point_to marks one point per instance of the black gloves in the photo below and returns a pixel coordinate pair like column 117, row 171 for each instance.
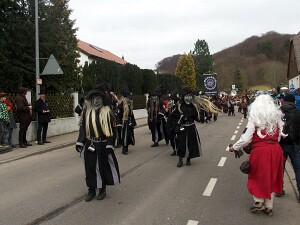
column 79, row 148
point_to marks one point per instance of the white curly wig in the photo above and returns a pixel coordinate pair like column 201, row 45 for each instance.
column 266, row 116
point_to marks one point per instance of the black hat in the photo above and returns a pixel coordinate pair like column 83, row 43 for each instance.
column 157, row 91
column 173, row 95
column 126, row 92
column 289, row 98
column 42, row 91
column 186, row 90
column 100, row 87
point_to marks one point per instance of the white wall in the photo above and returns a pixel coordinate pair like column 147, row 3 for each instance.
column 295, row 81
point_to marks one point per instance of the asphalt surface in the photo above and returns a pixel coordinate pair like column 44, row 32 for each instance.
column 45, row 185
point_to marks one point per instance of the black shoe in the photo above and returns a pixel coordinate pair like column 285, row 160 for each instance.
column 40, row 143
column 118, row 146
column 47, row 141
column 91, row 194
column 188, row 162
column 27, row 144
column 124, row 152
column 155, row 144
column 167, row 142
column 180, row 163
column 22, row 145
column 173, row 153
column 102, row 194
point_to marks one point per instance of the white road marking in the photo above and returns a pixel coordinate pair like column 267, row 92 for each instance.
column 227, row 148
column 240, row 124
column 192, row 222
column 235, row 132
column 233, row 137
column 222, row 161
column 238, row 127
column 210, row 186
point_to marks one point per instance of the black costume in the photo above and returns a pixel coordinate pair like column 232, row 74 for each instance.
column 126, row 119
column 96, row 143
column 172, row 118
column 188, row 143
column 156, row 117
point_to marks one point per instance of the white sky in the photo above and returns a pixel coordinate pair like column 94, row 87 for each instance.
column 146, row 31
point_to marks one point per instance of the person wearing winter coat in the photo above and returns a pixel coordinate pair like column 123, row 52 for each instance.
column 10, row 126
column 4, row 117
column 43, row 110
column 24, row 115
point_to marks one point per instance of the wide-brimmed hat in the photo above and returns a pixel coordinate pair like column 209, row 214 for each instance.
column 157, row 91
column 100, row 87
column 2, row 94
column 173, row 95
column 126, row 92
column 186, row 90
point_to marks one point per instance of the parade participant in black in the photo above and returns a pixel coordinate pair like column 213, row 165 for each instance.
column 188, row 141
column 96, row 142
column 44, row 117
column 126, row 116
column 157, row 117
column 172, row 119
column 114, row 102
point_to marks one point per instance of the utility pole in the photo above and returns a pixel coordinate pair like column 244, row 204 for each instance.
column 37, row 54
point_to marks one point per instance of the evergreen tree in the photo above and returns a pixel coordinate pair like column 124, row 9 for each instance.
column 238, row 80
column 203, row 61
column 185, row 69
column 149, row 81
column 56, row 36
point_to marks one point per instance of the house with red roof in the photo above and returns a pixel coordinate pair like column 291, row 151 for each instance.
column 89, row 53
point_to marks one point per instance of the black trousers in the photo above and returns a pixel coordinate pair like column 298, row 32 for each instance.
column 42, row 132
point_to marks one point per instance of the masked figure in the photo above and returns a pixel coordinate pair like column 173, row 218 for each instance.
column 172, row 118
column 96, row 142
column 126, row 117
column 156, row 114
column 188, row 143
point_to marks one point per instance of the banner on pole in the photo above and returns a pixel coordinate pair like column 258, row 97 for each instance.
column 210, row 84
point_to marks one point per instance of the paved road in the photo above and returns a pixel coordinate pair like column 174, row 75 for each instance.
column 49, row 188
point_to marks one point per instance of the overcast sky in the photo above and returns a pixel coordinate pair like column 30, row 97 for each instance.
column 146, row 31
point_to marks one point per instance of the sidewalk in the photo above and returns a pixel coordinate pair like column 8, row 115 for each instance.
column 57, row 142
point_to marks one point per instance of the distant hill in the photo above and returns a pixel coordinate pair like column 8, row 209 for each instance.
column 260, row 59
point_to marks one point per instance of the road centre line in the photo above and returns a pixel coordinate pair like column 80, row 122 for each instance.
column 235, row 132
column 210, row 186
column 222, row 161
column 238, row 127
column 192, row 222
column 240, row 124
column 227, row 148
column 233, row 137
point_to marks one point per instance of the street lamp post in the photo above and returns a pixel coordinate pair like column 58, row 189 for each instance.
column 37, row 55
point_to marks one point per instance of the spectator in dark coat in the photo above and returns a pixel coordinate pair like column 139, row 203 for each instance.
column 44, row 117
column 24, row 114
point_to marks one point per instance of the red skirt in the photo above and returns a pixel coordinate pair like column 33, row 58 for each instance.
column 267, row 167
